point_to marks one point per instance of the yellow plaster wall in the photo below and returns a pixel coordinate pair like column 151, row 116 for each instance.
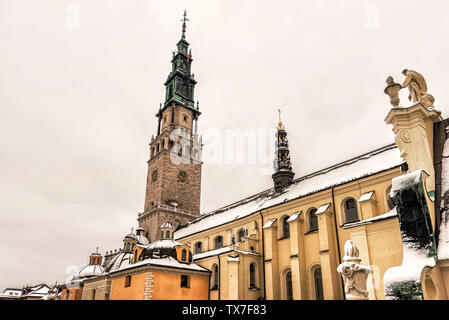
column 134, row 292
column 167, row 286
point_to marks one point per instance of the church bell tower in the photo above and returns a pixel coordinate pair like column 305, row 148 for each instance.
column 173, row 186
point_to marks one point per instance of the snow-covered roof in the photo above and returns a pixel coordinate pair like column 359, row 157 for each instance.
column 121, row 260
column 131, row 236
column 211, row 253
column 165, row 262
column 165, row 243
column 167, row 225
column 91, row 270
column 376, row 161
column 37, row 291
column 141, row 239
column 10, row 293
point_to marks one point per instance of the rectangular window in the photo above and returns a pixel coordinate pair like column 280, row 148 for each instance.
column 127, row 281
column 185, row 281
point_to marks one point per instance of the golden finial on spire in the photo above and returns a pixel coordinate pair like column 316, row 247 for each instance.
column 280, row 126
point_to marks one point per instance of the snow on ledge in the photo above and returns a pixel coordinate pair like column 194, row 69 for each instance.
column 389, row 214
column 406, row 180
column 366, row 196
column 269, row 223
column 294, row 216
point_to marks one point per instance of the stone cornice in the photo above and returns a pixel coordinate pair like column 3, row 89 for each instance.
column 416, row 110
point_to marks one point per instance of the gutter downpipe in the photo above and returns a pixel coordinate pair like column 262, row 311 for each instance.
column 263, row 256
column 338, row 242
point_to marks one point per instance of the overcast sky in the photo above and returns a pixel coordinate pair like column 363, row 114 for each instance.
column 81, row 81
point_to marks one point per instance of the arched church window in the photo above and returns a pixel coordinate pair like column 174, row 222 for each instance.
column 252, row 275
column 215, row 277
column 351, row 214
column 218, row 242
column 198, row 247
column 285, row 227
column 318, row 281
column 390, row 201
column 288, row 285
column 313, row 220
column 167, row 234
column 184, row 255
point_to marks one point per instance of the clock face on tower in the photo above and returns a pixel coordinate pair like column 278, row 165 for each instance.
column 182, row 176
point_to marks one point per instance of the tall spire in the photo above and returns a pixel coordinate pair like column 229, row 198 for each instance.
column 180, row 84
column 283, row 174
column 184, row 24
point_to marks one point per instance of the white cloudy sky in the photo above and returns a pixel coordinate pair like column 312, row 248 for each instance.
column 77, row 105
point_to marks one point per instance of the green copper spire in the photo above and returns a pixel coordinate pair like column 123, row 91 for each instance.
column 180, row 84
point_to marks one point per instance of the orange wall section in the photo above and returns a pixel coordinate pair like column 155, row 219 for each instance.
column 167, row 286
column 134, row 292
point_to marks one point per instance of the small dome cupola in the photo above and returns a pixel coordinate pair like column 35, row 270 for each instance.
column 167, row 230
column 141, row 238
column 283, row 174
column 95, row 258
column 129, row 241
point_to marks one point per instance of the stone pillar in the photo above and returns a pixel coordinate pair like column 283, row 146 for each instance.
column 297, row 256
column 206, row 244
column 271, row 261
column 331, row 286
column 354, row 274
column 413, row 129
column 228, row 240
column 233, row 274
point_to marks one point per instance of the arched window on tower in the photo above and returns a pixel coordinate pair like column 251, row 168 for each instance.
column 313, row 220
column 167, row 234
column 218, row 242
column 351, row 214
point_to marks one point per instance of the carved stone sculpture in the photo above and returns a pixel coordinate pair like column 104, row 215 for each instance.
column 392, row 90
column 354, row 274
column 416, row 84
column 417, row 87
